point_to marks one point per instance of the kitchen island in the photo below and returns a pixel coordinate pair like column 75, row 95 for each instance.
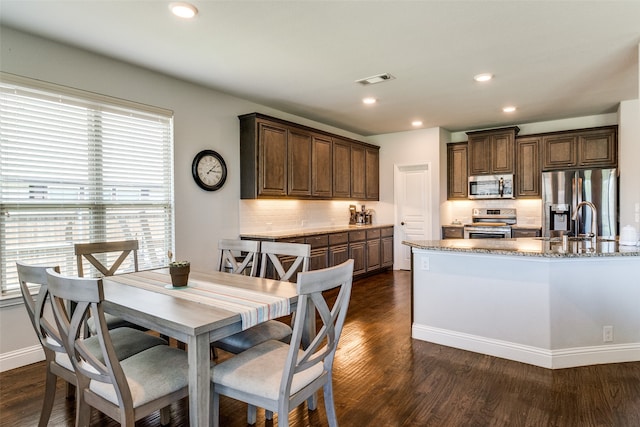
column 533, row 300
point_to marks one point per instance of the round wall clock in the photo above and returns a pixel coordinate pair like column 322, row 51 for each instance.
column 209, row 170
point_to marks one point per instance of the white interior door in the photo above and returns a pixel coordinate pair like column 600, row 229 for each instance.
column 413, row 209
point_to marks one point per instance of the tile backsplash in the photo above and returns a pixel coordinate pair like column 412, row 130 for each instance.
column 529, row 211
column 280, row 215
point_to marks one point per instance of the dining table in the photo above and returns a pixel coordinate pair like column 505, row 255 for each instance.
column 212, row 306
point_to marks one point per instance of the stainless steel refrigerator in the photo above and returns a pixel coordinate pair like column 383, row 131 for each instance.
column 563, row 190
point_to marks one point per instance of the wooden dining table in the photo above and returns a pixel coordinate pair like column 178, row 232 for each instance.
column 196, row 315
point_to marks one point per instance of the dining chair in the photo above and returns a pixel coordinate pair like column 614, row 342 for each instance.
column 279, row 376
column 272, row 254
column 238, row 256
column 127, row 342
column 89, row 251
column 125, row 390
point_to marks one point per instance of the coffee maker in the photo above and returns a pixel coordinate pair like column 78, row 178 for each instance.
column 362, row 217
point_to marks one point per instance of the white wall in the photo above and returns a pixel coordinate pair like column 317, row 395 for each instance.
column 629, row 163
column 203, row 118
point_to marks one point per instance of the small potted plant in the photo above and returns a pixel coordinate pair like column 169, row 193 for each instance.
column 179, row 271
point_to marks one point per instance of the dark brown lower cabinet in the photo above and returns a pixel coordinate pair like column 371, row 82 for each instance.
column 370, row 248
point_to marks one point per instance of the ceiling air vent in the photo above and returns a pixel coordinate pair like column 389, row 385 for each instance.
column 375, row 79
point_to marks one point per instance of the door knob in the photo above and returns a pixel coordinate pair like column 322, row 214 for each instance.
column 402, row 223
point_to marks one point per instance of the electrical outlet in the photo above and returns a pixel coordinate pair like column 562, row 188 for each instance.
column 424, row 263
column 607, row 333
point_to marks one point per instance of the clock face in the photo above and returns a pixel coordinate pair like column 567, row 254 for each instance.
column 209, row 170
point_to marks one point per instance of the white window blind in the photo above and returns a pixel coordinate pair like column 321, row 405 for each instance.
column 77, row 167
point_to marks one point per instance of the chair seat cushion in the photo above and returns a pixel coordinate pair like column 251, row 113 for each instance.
column 241, row 341
column 113, row 322
column 126, row 341
column 258, row 371
column 151, row 374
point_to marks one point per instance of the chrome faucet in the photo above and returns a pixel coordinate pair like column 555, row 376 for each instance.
column 594, row 219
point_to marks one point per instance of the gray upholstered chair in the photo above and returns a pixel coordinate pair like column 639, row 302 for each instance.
column 238, row 256
column 125, row 390
column 127, row 342
column 279, row 376
column 298, row 255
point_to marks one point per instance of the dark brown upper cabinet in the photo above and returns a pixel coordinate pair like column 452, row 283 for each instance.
column 585, row 148
column 457, row 171
column 492, row 151
column 283, row 159
column 528, row 178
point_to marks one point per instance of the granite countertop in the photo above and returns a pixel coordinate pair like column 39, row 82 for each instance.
column 302, row 232
column 533, row 247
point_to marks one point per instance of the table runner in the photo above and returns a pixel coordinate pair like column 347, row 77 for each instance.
column 253, row 307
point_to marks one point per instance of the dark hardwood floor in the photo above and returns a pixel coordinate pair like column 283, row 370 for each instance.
column 384, row 378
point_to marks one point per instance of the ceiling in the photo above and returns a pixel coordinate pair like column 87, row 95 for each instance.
column 551, row 59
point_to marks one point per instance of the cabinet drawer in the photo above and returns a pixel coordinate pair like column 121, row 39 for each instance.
column 319, row 241
column 452, row 232
column 373, row 234
column 356, row 236
column 338, row 238
column 386, row 232
column 293, row 240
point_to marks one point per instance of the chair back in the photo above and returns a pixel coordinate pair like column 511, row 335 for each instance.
column 311, row 301
column 272, row 251
column 87, row 294
column 238, row 255
column 89, row 250
column 47, row 333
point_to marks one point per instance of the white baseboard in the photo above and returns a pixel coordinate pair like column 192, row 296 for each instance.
column 22, row 357
column 552, row 359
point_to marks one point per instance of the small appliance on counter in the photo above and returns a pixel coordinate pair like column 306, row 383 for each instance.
column 362, row 217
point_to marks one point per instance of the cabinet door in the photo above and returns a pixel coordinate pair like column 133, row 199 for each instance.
column 502, row 153
column 299, row 163
column 527, row 176
column 338, row 254
column 598, row 148
column 479, row 152
column 452, row 232
column 319, row 259
column 372, row 174
column 358, row 171
column 321, row 167
column 559, row 151
column 457, row 177
column 272, row 163
column 357, row 253
column 386, row 252
column 341, row 168
column 373, row 255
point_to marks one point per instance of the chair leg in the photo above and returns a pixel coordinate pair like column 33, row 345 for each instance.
column 312, row 402
column 214, row 352
column 49, row 397
column 215, row 409
column 83, row 411
column 71, row 391
column 165, row 416
column 268, row 415
column 329, row 405
column 252, row 414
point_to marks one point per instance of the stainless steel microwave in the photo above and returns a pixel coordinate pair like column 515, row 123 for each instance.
column 491, row 187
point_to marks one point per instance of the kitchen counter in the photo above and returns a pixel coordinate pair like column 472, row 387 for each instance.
column 303, row 232
column 528, row 300
column 529, row 247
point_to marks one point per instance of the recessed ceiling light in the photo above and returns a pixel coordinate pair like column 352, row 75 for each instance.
column 509, row 109
column 484, row 77
column 416, row 123
column 183, row 10
column 369, row 100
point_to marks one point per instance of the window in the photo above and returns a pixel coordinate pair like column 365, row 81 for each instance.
column 76, row 167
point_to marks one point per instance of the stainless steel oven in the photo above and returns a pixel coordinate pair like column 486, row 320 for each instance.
column 490, row 224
